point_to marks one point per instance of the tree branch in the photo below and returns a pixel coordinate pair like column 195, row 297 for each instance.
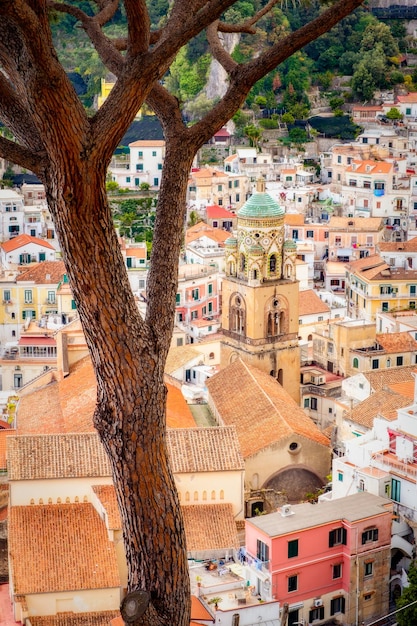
column 138, row 27
column 247, row 26
column 12, row 151
column 217, row 50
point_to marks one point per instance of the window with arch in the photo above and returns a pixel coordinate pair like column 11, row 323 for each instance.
column 204, row 495
column 236, row 619
column 276, row 319
column 242, row 263
column 232, row 268
column 237, row 315
column 221, row 494
column 187, row 496
column 211, row 355
column 272, row 264
column 355, row 363
column 213, row 495
column 195, row 495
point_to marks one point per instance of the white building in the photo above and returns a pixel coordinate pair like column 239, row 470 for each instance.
column 144, row 165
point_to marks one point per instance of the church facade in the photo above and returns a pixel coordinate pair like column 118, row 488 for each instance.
column 260, row 293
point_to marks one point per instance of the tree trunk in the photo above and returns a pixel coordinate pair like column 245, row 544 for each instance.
column 128, row 356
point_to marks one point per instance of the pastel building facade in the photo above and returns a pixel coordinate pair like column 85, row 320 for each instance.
column 326, row 561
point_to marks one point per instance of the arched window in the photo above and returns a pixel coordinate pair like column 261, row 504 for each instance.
column 195, row 495
column 187, row 496
column 272, row 264
column 242, row 262
column 355, row 363
column 213, row 495
column 236, row 619
column 211, row 355
column 221, row 494
column 204, row 495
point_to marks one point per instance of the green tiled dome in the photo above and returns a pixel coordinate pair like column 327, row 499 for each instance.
column 290, row 243
column 231, row 241
column 260, row 204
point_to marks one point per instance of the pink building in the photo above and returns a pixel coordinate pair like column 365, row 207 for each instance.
column 327, row 561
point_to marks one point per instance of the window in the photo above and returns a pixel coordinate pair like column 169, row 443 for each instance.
column 369, row 568
column 159, row 166
column 295, row 234
column 194, row 315
column 340, row 477
column 235, row 183
column 292, row 583
column 339, row 158
column 337, row 605
column 396, row 490
column 306, row 403
column 51, row 297
column 375, row 364
column 178, row 298
column 337, row 571
column 400, row 360
column 292, row 548
column 73, row 305
column 408, row 111
column 210, row 288
column 7, row 295
column 412, row 290
column 28, row 296
column 313, row 404
column 361, row 485
column 140, row 154
column 154, row 153
column 17, row 381
column 210, row 307
column 262, row 551
column 195, row 294
column 155, row 182
column 380, row 186
column 337, row 536
column 219, row 187
column 385, row 306
column 370, row 535
column 310, row 234
column 316, row 614
column 139, row 167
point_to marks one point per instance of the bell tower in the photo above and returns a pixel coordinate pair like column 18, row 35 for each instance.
column 260, row 293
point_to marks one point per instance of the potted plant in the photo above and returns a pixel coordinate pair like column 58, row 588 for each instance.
column 215, row 601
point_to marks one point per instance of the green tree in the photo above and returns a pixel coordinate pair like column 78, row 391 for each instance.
column 408, row 615
column 394, row 114
column 41, row 108
column 379, row 34
column 254, row 134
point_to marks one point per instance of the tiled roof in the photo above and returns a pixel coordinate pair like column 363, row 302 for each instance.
column 107, row 496
column 262, row 411
column 405, row 388
column 209, row 527
column 409, row 97
column 294, row 219
column 179, row 356
column 204, row 230
column 70, row 404
column 38, row 457
column 147, row 143
column 24, row 240
column 214, row 210
column 384, row 403
column 102, row 618
column 68, row 546
column 367, row 166
column 204, row 449
column 358, row 223
column 199, row 611
column 46, row 272
column 310, row 303
column 398, row 246
column 379, row 379
column 3, row 434
column 397, row 342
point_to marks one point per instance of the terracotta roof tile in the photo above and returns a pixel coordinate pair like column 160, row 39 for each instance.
column 24, row 240
column 69, row 545
column 384, row 403
column 3, row 444
column 204, row 449
column 209, row 527
column 147, row 143
column 380, row 379
column 204, row 230
column 107, row 496
column 294, row 219
column 367, row 166
column 214, row 210
column 40, row 457
column 359, row 223
column 46, row 272
column 199, row 611
column 70, row 404
column 102, row 618
column 310, row 303
column 262, row 411
column 397, row 342
column 398, row 246
column 179, row 356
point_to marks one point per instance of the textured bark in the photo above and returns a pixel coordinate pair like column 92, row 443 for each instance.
column 71, row 153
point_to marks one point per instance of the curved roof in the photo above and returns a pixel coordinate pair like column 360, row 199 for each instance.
column 260, row 205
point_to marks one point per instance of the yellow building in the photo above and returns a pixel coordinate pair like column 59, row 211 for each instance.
column 373, row 286
column 260, row 293
column 107, row 85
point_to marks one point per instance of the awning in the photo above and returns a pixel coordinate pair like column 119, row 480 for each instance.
column 37, row 341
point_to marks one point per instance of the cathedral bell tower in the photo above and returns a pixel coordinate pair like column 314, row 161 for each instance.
column 260, row 293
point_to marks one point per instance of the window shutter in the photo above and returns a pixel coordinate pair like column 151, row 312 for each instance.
column 332, row 607
column 344, row 536
column 321, row 612
column 331, row 539
column 363, row 538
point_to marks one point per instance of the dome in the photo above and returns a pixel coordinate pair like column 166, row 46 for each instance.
column 290, row 243
column 261, row 205
column 256, row 249
column 231, row 242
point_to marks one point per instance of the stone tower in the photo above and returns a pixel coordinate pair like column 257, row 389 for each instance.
column 260, row 293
